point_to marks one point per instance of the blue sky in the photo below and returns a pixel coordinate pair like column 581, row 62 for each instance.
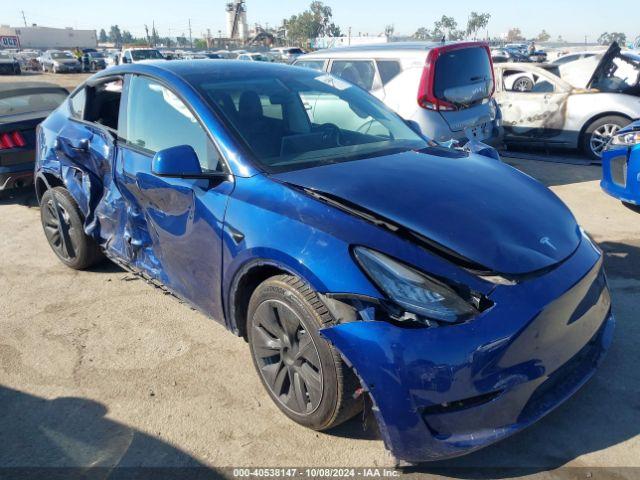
column 572, row 19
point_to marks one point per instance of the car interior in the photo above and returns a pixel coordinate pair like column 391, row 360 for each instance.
column 280, row 125
column 103, row 103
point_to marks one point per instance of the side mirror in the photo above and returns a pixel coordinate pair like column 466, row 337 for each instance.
column 180, row 162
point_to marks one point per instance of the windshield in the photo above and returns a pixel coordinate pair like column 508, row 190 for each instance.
column 96, row 55
column 146, row 55
column 61, row 55
column 291, row 120
column 4, row 56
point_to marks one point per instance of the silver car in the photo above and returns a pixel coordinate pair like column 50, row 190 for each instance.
column 446, row 88
column 581, row 104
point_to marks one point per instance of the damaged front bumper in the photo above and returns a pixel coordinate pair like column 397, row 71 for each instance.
column 446, row 391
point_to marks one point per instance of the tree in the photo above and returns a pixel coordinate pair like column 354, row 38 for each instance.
column 476, row 23
column 515, row 35
column 115, row 36
column 543, row 36
column 199, row 43
column 102, row 37
column 423, row 34
column 127, row 37
column 608, row 38
column 155, row 38
column 447, row 28
column 312, row 23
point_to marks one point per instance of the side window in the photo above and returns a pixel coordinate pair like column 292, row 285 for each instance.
column 157, row 119
column 312, row 64
column 389, row 69
column 103, row 104
column 359, row 72
column 522, row 81
column 78, row 103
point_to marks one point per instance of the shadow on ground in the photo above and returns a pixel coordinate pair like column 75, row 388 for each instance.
column 72, row 438
column 23, row 196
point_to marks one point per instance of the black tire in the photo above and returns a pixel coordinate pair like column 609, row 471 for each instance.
column 319, row 396
column 522, row 84
column 84, row 252
column 599, row 124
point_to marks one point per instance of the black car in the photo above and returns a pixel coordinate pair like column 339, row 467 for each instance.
column 9, row 64
column 23, row 105
column 94, row 61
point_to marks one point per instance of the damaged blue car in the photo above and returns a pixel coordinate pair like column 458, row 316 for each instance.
column 355, row 256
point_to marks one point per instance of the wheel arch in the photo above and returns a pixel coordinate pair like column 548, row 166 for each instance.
column 246, row 279
column 598, row 117
column 42, row 180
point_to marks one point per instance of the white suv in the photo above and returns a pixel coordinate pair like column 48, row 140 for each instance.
column 447, row 88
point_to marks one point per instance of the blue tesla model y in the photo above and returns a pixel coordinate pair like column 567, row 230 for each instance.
column 353, row 254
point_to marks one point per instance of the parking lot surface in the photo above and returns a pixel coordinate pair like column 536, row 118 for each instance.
column 98, row 368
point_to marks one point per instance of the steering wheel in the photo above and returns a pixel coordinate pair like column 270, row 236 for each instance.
column 330, row 132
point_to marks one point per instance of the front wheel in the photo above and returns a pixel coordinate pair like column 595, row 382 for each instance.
column 597, row 135
column 63, row 228
column 303, row 374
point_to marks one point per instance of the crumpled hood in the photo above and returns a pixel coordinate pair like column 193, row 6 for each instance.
column 481, row 209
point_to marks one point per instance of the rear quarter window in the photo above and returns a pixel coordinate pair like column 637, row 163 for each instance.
column 388, row 69
column 460, row 68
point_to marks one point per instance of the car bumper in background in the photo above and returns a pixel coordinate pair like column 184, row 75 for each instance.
column 621, row 174
column 16, row 168
column 447, row 391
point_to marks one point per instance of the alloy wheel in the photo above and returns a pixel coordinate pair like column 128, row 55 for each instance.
column 601, row 136
column 522, row 84
column 54, row 231
column 287, row 357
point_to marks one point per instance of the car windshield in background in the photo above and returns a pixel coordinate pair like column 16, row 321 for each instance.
column 31, row 103
column 292, row 121
column 97, row 55
column 295, row 51
column 463, row 76
column 4, row 56
column 60, row 55
column 146, row 55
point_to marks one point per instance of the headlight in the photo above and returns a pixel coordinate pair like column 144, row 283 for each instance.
column 628, row 139
column 412, row 290
column 57, row 64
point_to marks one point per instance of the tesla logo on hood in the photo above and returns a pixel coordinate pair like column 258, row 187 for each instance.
column 547, row 241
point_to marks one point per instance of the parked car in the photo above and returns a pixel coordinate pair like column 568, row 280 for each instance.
column 557, row 113
column 9, row 64
column 466, row 314
column 23, row 106
column 447, row 89
column 252, row 57
column 56, row 61
column 287, row 54
column 621, row 166
column 572, row 57
column 95, row 60
column 137, row 55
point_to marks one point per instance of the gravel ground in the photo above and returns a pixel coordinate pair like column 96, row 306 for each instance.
column 100, row 369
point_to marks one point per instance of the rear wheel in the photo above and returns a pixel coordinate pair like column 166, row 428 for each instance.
column 302, row 373
column 632, row 206
column 65, row 234
column 597, row 135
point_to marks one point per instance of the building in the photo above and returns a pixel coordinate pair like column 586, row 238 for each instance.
column 50, row 38
column 237, row 15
